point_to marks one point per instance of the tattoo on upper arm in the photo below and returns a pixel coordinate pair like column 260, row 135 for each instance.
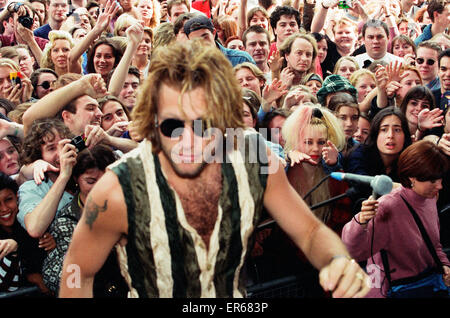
column 91, row 211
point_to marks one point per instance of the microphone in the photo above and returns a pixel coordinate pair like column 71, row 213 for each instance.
column 380, row 184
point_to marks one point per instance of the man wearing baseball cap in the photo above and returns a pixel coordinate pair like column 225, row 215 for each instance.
column 202, row 27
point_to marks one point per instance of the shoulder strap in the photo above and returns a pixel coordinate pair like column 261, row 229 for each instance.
column 387, row 270
column 425, row 236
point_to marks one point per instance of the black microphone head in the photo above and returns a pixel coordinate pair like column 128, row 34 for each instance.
column 381, row 184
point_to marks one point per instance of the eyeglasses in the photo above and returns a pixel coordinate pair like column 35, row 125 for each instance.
column 421, row 60
column 173, row 128
column 46, row 84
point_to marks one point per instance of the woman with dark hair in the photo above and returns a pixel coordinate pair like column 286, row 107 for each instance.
column 115, row 117
column 20, row 256
column 42, row 80
column 90, row 166
column 103, row 57
column 417, row 99
column 399, row 252
column 389, row 136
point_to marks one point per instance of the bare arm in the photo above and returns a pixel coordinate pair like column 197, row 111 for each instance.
column 242, row 17
column 322, row 247
column 134, row 35
column 43, row 214
column 52, row 103
column 319, row 18
column 103, row 21
column 104, row 221
column 364, row 106
column 26, row 36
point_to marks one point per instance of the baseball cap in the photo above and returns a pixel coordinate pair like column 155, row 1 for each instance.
column 197, row 23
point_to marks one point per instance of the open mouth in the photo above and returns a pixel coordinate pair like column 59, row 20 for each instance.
column 6, row 216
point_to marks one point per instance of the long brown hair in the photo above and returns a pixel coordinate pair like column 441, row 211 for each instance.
column 186, row 66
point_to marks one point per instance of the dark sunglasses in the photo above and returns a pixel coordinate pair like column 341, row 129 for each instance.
column 46, row 84
column 171, row 127
column 420, row 60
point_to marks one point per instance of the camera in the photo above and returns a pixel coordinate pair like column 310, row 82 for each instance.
column 345, row 4
column 15, row 78
column 25, row 20
column 78, row 142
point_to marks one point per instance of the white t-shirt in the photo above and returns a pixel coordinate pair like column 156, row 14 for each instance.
column 388, row 57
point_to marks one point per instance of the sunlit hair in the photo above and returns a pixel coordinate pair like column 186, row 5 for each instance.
column 123, row 22
column 187, row 66
column 358, row 74
column 253, row 11
column 4, row 62
column 253, row 68
column 422, row 160
column 294, row 127
column 403, row 69
column 345, row 22
column 163, row 35
column 403, row 39
column 46, row 60
column 156, row 16
column 341, row 60
column 286, row 47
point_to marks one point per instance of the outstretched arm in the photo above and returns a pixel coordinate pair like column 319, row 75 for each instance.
column 48, row 106
column 134, row 36
column 103, row 221
column 322, row 247
column 103, row 20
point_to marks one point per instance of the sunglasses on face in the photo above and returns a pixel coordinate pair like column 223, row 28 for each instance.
column 173, row 128
column 46, row 84
column 421, row 60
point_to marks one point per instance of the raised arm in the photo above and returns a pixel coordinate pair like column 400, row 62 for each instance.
column 106, row 14
column 104, row 221
column 49, row 106
column 134, row 36
column 320, row 14
column 242, row 17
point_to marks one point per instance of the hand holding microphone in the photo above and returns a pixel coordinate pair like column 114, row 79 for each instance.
column 368, row 210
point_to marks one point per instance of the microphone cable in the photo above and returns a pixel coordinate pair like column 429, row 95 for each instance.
column 316, row 186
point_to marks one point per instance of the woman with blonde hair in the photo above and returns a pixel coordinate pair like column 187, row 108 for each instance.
column 346, row 66
column 364, row 81
column 56, row 54
column 123, row 23
column 313, row 138
column 149, row 11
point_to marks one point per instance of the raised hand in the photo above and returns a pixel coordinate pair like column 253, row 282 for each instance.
column 393, row 70
column 275, row 61
column 381, row 77
column 275, row 90
column 428, row 119
column 299, row 157
column 107, row 12
column 94, row 85
column 7, row 246
column 67, row 157
column 94, row 135
column 135, row 33
column 287, row 76
column 40, row 167
column 117, row 129
column 330, row 154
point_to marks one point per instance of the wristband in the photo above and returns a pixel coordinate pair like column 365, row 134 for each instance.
column 16, row 131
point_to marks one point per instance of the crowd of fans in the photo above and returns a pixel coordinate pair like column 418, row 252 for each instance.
column 332, row 85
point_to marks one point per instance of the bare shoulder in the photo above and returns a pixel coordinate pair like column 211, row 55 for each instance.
column 105, row 205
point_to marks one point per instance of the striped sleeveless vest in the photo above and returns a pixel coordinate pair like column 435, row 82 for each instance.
column 165, row 256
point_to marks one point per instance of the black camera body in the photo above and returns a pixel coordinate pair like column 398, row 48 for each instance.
column 79, row 143
column 26, row 21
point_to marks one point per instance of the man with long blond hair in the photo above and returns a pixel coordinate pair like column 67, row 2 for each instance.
column 184, row 223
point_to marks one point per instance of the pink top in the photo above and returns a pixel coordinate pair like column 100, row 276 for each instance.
column 398, row 234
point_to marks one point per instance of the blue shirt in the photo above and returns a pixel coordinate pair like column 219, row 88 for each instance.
column 236, row 56
column 434, row 84
column 426, row 35
column 43, row 31
column 31, row 194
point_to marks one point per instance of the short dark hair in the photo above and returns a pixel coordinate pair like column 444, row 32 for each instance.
column 181, row 19
column 418, row 92
column 374, row 23
column 100, row 156
column 405, row 39
column 283, row 10
column 422, row 160
column 445, row 53
column 342, row 99
column 435, row 6
column 34, row 78
column 6, row 182
column 257, row 29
